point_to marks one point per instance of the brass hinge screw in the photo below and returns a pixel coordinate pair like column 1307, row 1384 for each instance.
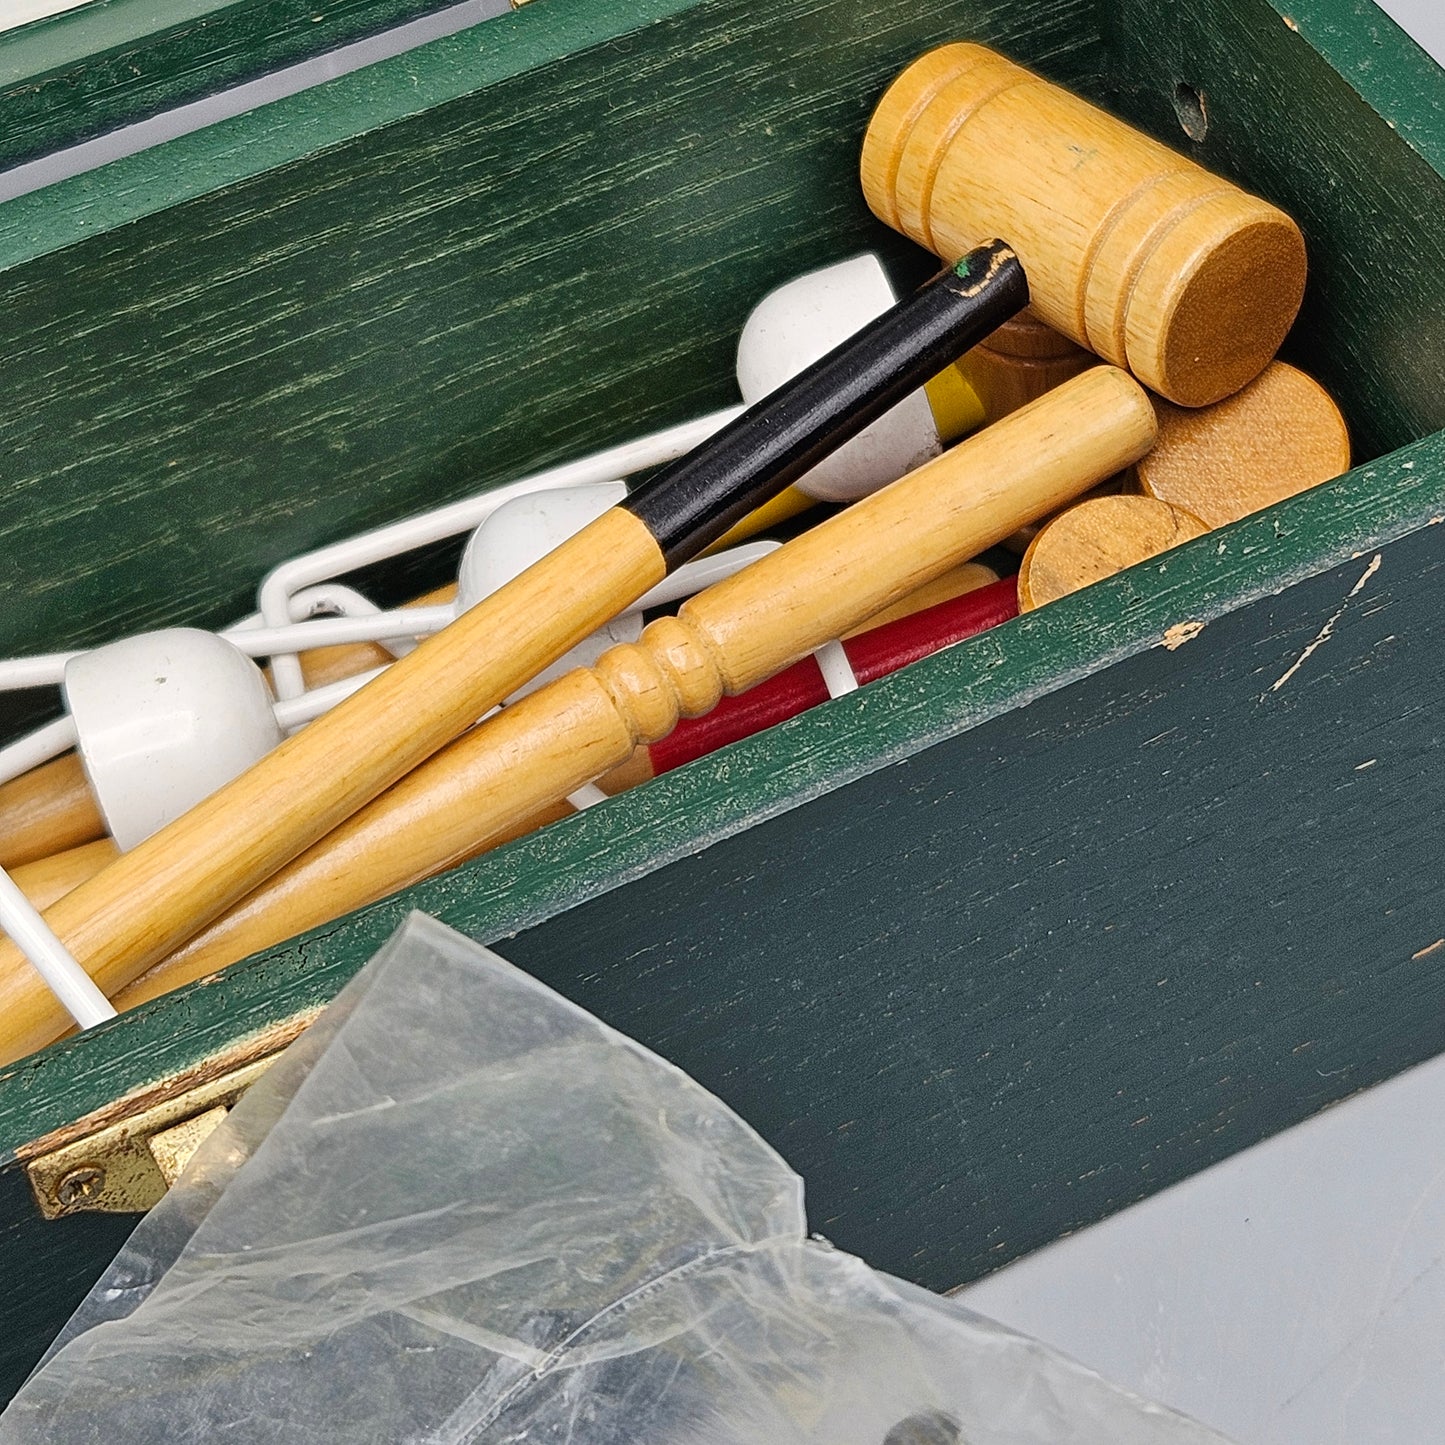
column 82, row 1183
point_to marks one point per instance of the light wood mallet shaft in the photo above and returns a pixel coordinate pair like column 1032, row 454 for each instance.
column 43, row 880
column 724, row 640
column 47, row 810
column 929, row 627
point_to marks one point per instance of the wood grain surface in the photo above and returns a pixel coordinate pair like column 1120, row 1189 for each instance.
column 1054, row 1016
column 46, row 879
column 536, row 751
column 47, row 810
column 1023, row 359
column 51, row 809
column 1096, row 538
column 1131, row 249
column 352, row 289
column 165, row 889
column 1302, row 109
column 1280, row 435
column 966, row 577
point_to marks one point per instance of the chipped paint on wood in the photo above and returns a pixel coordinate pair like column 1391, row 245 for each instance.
column 1178, row 633
column 1327, row 631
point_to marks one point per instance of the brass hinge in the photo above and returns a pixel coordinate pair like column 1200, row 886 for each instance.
column 122, row 1159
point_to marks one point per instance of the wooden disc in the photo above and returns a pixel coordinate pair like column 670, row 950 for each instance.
column 1096, row 539
column 1019, row 362
column 1026, row 335
column 1282, row 434
column 1018, row 542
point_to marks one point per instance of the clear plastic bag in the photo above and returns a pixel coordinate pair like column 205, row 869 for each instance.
column 460, row 1210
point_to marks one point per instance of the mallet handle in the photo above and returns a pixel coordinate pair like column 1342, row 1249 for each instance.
column 724, row 640
column 166, row 889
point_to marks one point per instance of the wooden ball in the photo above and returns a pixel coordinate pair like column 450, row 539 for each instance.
column 1096, row 539
column 1282, row 434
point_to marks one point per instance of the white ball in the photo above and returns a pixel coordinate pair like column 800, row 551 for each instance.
column 163, row 720
column 803, row 320
column 523, row 531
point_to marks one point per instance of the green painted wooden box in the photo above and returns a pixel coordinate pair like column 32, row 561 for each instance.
column 111, row 63
column 988, row 950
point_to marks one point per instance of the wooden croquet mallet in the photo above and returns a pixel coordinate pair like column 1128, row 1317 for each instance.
column 871, row 654
column 723, row 641
column 949, row 615
column 1132, row 250
column 160, row 893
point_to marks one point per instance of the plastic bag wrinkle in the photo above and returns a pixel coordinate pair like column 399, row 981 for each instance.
column 461, row 1211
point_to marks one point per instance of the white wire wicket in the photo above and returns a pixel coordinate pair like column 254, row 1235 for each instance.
column 65, row 978
column 304, row 586
column 625, row 460
column 48, row 669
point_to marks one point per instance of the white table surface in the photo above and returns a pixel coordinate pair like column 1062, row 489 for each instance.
column 1424, row 19
column 1292, row 1295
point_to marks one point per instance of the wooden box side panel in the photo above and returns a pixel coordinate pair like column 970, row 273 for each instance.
column 1074, row 996
column 550, row 261
column 915, row 992
column 92, row 70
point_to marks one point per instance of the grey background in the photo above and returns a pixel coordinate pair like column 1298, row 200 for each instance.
column 1424, row 19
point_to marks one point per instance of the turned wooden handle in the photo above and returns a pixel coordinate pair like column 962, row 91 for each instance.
column 754, row 624
column 298, row 895
column 43, row 880
column 166, row 889
column 1131, row 250
column 871, row 654
column 967, row 599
